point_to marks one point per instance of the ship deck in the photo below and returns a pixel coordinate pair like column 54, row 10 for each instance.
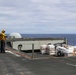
column 18, row 63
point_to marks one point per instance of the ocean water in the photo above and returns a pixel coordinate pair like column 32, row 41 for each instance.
column 70, row 37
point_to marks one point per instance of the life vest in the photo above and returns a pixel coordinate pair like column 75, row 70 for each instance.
column 2, row 36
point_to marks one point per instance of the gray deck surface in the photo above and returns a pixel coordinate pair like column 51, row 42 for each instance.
column 11, row 64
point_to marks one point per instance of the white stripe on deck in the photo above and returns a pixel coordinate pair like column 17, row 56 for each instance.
column 71, row 64
column 13, row 53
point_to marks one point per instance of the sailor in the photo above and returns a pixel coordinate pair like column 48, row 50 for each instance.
column 2, row 38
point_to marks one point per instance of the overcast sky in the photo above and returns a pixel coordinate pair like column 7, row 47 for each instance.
column 38, row 16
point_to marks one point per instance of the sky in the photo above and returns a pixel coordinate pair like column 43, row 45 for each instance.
column 38, row 16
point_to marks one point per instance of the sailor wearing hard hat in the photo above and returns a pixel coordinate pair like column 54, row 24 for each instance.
column 2, row 38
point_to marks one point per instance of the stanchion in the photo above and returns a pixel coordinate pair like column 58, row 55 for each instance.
column 32, row 50
column 66, row 41
column 0, row 45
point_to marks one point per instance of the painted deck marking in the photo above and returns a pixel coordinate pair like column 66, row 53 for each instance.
column 13, row 53
column 71, row 64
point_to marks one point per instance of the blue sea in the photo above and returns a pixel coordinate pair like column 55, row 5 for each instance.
column 70, row 37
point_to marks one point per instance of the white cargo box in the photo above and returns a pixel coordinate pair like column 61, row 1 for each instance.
column 43, row 49
column 50, row 49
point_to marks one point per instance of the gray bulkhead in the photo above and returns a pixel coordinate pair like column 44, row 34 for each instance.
column 26, row 44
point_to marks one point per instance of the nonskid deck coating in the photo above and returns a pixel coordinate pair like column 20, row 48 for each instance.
column 14, row 65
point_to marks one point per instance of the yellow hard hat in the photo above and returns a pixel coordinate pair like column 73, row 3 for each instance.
column 3, row 31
